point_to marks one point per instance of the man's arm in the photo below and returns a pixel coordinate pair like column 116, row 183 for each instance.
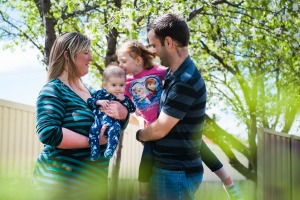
column 158, row 129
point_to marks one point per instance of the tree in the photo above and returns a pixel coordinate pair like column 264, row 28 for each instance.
column 247, row 52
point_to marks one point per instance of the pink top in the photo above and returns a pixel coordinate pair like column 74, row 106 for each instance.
column 145, row 90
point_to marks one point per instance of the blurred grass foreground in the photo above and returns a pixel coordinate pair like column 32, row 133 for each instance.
column 19, row 148
column 22, row 188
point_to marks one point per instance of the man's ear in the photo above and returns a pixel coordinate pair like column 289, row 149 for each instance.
column 168, row 42
column 103, row 84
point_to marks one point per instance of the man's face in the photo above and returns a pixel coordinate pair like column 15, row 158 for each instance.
column 158, row 49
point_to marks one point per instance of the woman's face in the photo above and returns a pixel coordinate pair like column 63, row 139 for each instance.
column 128, row 63
column 82, row 61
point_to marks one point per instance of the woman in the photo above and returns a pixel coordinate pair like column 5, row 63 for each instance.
column 63, row 124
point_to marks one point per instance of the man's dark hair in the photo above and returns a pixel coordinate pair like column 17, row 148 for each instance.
column 173, row 26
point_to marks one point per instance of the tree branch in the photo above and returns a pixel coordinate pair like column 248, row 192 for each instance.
column 194, row 13
column 226, row 2
column 216, row 56
column 227, row 142
column 20, row 32
column 86, row 9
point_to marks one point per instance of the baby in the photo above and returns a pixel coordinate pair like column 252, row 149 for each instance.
column 114, row 82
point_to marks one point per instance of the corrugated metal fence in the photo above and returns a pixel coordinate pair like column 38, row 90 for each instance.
column 278, row 165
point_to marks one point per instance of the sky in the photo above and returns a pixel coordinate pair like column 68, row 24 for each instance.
column 22, row 75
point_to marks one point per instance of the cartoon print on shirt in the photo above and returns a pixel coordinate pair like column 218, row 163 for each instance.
column 151, row 87
column 139, row 94
column 146, row 91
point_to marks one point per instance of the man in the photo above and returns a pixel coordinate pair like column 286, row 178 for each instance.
column 177, row 132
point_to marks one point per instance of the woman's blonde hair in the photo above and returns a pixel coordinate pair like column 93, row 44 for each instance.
column 135, row 48
column 72, row 43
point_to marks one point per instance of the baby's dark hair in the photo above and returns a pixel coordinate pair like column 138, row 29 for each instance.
column 113, row 70
column 135, row 48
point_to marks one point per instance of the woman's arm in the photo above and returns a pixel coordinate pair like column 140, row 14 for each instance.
column 49, row 117
column 72, row 139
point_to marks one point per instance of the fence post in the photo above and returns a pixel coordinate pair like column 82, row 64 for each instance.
column 260, row 157
column 113, row 194
column 295, row 169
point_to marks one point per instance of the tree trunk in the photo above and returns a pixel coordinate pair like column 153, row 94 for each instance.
column 49, row 26
column 111, row 46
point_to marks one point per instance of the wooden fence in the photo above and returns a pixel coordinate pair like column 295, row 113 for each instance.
column 278, row 166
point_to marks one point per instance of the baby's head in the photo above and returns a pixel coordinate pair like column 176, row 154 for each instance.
column 132, row 53
column 114, row 79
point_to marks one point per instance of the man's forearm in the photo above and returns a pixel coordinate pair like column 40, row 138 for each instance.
column 158, row 129
column 147, row 134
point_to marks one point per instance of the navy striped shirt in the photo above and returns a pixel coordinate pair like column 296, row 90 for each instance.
column 184, row 98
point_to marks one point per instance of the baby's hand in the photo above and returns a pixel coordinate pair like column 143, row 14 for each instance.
column 120, row 96
column 103, row 103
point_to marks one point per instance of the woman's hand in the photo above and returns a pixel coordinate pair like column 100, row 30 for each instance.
column 102, row 138
column 115, row 110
